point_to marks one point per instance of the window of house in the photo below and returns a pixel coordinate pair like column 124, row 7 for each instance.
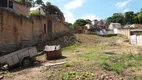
column 44, row 28
column 10, row 4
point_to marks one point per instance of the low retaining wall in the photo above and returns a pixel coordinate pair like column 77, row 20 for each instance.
column 125, row 32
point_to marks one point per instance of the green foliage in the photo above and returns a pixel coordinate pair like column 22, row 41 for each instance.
column 35, row 13
column 39, row 2
column 109, row 20
column 129, row 17
column 122, row 62
column 67, row 65
column 80, row 22
column 75, row 75
column 116, row 63
column 69, row 25
column 117, row 67
column 70, row 48
column 118, row 18
column 140, row 16
column 96, row 56
column 88, row 21
column 51, row 9
column 135, row 18
column 19, row 1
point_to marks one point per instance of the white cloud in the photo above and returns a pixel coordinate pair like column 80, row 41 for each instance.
column 122, row 4
column 74, row 4
column 90, row 16
column 126, row 10
column 69, row 17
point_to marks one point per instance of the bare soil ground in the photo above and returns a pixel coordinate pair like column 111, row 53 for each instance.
column 75, row 61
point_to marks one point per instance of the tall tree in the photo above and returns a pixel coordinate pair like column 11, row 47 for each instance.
column 39, row 2
column 140, row 16
column 135, row 18
column 51, row 9
column 80, row 22
column 129, row 17
column 89, row 21
column 118, row 18
column 109, row 20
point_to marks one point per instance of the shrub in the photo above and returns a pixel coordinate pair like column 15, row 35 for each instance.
column 106, row 66
column 34, row 13
column 75, row 75
column 67, row 65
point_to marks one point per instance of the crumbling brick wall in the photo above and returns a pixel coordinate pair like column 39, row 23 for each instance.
column 18, row 31
column 58, row 24
column 10, row 29
column 21, row 8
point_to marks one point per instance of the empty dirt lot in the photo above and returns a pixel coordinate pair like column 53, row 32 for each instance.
column 91, row 57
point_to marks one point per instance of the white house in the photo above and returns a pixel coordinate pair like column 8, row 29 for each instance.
column 89, row 26
column 114, row 27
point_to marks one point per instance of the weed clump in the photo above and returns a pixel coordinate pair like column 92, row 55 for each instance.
column 122, row 62
column 75, row 75
column 67, row 65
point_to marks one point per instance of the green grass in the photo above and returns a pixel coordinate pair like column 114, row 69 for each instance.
column 96, row 56
column 76, row 75
column 70, row 48
column 94, row 51
column 117, row 63
column 67, row 65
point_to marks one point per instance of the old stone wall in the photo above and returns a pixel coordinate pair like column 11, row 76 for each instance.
column 10, row 29
column 18, row 31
